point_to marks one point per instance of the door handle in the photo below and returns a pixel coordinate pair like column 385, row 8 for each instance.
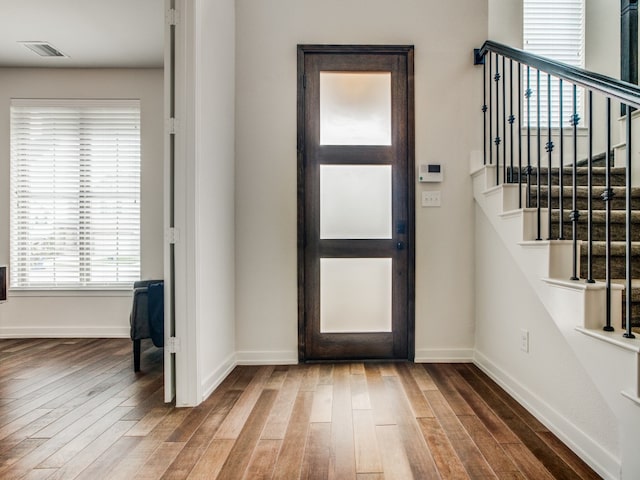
column 400, row 246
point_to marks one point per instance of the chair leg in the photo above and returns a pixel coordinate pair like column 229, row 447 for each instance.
column 136, row 355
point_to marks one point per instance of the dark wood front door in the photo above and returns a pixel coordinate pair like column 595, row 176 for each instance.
column 355, row 202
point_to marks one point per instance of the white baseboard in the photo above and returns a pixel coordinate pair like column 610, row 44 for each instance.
column 587, row 448
column 246, row 358
column 216, row 378
column 444, row 355
column 267, row 357
column 64, row 332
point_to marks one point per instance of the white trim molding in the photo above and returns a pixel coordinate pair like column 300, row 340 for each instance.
column 214, row 380
column 64, row 332
column 444, row 355
column 286, row 357
column 588, row 448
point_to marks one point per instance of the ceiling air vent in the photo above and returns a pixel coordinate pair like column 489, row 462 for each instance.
column 44, row 49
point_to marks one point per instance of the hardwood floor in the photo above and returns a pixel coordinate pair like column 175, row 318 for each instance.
column 75, row 409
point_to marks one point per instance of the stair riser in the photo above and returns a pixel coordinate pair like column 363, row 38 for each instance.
column 618, row 268
column 599, row 179
column 635, row 307
column 618, row 231
column 635, row 317
column 597, row 203
column 618, row 227
column 596, row 161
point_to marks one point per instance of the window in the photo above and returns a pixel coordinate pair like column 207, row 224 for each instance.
column 75, row 194
column 553, row 29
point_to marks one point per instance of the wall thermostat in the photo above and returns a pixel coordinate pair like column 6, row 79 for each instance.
column 430, row 173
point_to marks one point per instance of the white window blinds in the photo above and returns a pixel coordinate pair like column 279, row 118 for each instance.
column 75, row 194
column 553, row 29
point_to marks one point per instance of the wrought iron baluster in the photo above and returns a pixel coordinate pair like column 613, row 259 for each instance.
column 590, row 190
column 519, row 135
column 484, row 111
column 512, row 119
column 561, row 165
column 539, row 154
column 607, row 196
column 629, row 313
column 490, row 109
column 504, row 119
column 549, row 149
column 575, row 214
column 497, row 139
column 528, row 95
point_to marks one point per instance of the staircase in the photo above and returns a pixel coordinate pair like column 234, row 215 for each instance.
column 576, row 307
column 618, row 224
column 540, row 260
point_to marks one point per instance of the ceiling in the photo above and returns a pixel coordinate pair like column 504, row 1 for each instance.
column 93, row 33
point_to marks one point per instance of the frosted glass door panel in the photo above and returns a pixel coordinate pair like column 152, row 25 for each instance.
column 355, row 201
column 355, row 295
column 355, row 108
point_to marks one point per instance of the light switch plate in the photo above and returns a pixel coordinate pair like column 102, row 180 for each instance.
column 431, row 198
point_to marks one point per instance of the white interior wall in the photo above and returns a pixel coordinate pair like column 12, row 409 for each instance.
column 602, row 55
column 505, row 22
column 602, row 37
column 86, row 314
column 446, row 83
column 549, row 380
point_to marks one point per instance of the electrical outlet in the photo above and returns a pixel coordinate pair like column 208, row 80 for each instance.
column 524, row 340
column 431, row 198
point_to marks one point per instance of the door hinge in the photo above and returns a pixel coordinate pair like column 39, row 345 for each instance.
column 172, row 16
column 173, row 235
column 173, row 345
column 304, row 81
column 172, row 126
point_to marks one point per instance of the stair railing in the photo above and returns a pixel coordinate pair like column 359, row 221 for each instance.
column 496, row 75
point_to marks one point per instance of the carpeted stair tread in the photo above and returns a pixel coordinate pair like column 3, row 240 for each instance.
column 617, row 178
column 618, row 222
column 585, row 170
column 618, row 259
column 583, row 190
column 635, row 300
column 618, row 202
column 635, row 287
column 635, row 304
column 617, row 248
column 618, row 225
column 598, row 216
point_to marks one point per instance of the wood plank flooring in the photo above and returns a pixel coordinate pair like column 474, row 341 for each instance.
column 74, row 409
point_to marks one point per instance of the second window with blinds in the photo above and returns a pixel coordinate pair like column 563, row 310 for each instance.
column 75, row 194
column 553, row 29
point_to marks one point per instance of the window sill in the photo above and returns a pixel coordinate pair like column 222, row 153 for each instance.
column 53, row 292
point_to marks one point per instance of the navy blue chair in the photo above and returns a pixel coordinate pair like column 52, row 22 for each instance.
column 147, row 316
